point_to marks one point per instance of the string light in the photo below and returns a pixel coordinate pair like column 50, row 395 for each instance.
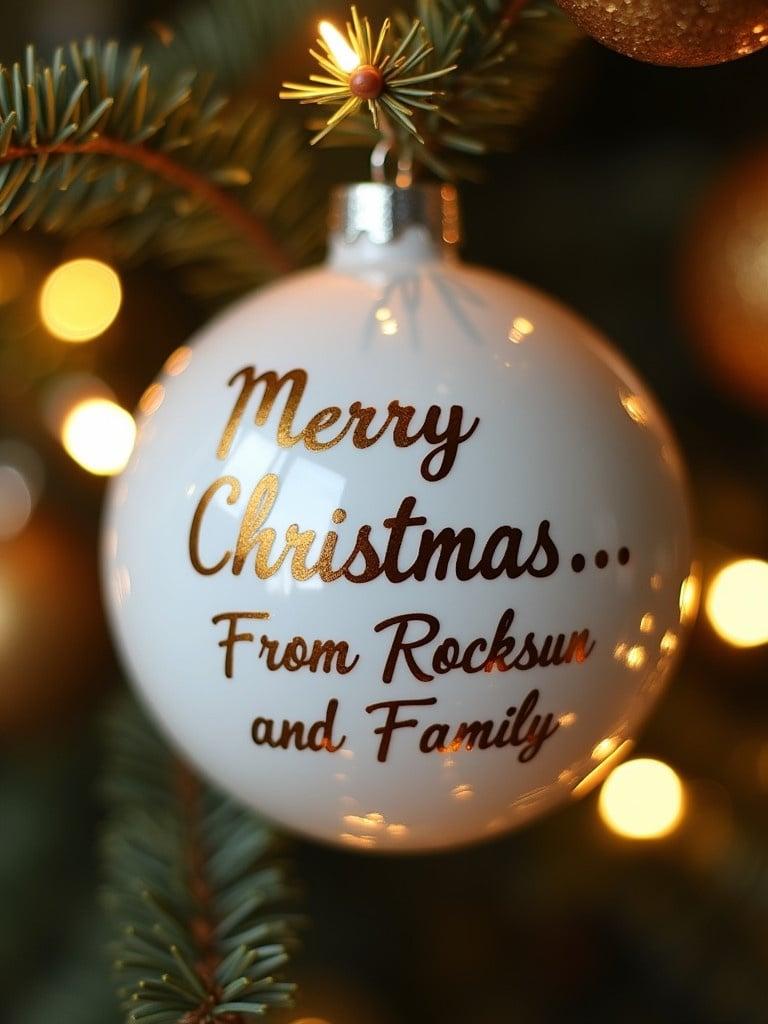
column 342, row 52
column 80, row 299
column 99, row 435
column 737, row 602
column 642, row 799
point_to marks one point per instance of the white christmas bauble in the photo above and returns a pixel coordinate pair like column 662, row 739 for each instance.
column 401, row 558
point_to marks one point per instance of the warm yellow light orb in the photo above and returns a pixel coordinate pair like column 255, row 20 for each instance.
column 99, row 435
column 342, row 52
column 737, row 602
column 642, row 799
column 80, row 299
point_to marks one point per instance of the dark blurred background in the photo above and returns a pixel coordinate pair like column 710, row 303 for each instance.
column 607, row 203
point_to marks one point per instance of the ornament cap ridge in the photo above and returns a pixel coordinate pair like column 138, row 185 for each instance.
column 382, row 212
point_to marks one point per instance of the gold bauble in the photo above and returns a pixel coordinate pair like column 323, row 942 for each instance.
column 52, row 636
column 725, row 281
column 680, row 33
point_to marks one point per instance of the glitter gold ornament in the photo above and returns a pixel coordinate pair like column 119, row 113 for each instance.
column 679, row 33
column 725, row 281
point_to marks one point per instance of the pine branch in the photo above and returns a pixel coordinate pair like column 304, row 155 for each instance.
column 509, row 52
column 504, row 51
column 230, row 39
column 192, row 890
column 196, row 185
column 87, row 142
column 392, row 87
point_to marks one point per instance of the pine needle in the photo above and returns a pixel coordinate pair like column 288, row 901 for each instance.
column 190, row 875
column 493, row 60
column 88, row 133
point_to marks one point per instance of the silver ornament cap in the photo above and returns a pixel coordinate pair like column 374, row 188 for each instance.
column 382, row 212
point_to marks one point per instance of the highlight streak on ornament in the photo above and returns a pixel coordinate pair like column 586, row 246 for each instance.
column 594, row 777
column 690, row 593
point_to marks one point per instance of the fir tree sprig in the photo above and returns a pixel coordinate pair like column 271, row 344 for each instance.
column 494, row 58
column 193, row 890
column 230, row 39
column 509, row 52
column 86, row 141
column 389, row 80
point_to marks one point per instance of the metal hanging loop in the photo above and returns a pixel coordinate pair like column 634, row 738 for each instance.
column 379, row 157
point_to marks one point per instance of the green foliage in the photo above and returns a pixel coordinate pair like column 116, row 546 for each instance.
column 404, row 87
column 504, row 55
column 230, row 39
column 87, row 142
column 192, row 890
column 94, row 141
column 506, row 64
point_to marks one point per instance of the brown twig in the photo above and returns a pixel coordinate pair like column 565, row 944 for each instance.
column 243, row 221
column 203, row 923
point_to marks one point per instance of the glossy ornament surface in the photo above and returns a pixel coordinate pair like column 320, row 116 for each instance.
column 680, row 33
column 725, row 281
column 399, row 558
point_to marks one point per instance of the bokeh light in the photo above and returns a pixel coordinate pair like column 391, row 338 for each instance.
column 642, row 799
column 99, row 435
column 21, row 479
column 737, row 602
column 80, row 299
column 15, row 502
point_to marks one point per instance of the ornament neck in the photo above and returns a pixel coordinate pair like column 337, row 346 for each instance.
column 375, row 224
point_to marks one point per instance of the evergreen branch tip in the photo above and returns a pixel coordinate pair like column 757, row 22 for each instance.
column 391, row 77
column 193, row 891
